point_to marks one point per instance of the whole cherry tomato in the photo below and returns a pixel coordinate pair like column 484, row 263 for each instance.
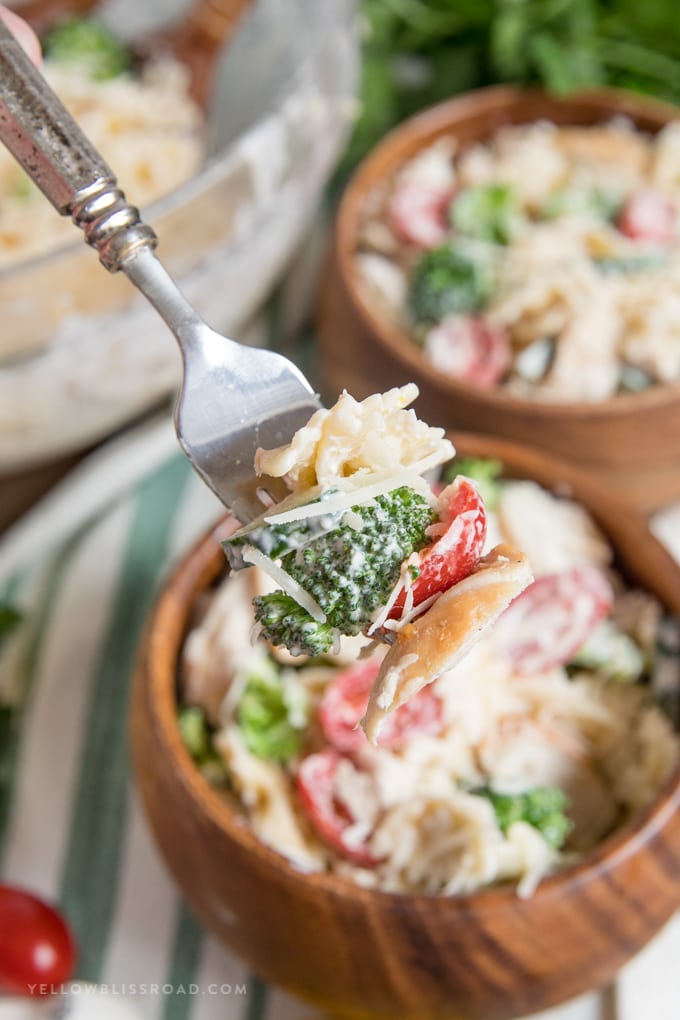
column 37, row 949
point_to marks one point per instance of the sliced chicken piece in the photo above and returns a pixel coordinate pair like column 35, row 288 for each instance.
column 446, row 632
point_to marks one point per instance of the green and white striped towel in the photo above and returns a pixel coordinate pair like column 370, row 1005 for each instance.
column 71, row 827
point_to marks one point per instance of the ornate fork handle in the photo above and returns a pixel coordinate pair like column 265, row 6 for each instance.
column 43, row 137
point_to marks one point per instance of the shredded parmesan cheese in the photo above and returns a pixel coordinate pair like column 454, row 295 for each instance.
column 355, row 496
column 285, row 581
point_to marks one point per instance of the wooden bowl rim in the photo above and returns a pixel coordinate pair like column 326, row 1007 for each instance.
column 404, row 141
column 205, row 563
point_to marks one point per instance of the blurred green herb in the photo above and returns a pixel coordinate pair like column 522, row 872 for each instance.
column 86, row 43
column 417, row 52
column 486, row 472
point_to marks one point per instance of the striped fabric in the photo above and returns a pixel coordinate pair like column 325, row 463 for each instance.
column 70, row 823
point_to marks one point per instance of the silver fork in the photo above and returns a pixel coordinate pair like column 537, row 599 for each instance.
column 232, row 398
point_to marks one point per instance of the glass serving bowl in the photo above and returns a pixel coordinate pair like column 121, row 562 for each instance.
column 81, row 353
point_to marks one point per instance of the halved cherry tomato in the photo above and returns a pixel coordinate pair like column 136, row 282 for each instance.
column 456, row 554
column 418, row 213
column 316, row 784
column 552, row 618
column 467, row 347
column 345, row 701
column 37, row 949
column 648, row 216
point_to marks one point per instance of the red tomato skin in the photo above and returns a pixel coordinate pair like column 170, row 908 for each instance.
column 315, row 779
column 456, row 554
column 550, row 620
column 345, row 701
column 648, row 216
column 418, row 213
column 469, row 348
column 37, row 949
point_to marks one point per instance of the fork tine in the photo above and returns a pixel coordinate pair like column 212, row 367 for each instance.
column 232, row 477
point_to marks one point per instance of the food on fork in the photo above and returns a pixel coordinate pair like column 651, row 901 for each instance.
column 364, row 545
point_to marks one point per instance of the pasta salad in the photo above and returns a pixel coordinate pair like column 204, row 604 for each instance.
column 364, row 544
column 544, row 261
column 551, row 732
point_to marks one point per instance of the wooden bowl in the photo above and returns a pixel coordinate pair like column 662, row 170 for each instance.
column 631, row 441
column 487, row 956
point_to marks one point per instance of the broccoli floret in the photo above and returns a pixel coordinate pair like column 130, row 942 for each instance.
column 272, row 714
column 543, row 808
column 486, row 472
column 89, row 44
column 447, row 282
column 489, row 212
column 284, row 622
column 349, row 571
column 275, row 540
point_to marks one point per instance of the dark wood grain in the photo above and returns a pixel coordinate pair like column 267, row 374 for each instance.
column 631, row 442
column 488, row 956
